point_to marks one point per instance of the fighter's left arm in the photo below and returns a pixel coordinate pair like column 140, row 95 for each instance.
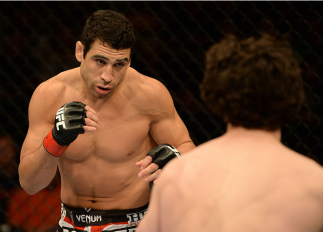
column 169, row 132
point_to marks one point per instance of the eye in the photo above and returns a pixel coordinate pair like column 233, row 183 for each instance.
column 100, row 61
column 119, row 64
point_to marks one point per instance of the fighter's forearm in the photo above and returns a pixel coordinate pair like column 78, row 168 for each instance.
column 37, row 170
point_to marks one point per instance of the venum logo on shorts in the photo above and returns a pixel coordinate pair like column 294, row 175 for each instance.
column 82, row 219
column 60, row 118
column 88, row 218
column 134, row 218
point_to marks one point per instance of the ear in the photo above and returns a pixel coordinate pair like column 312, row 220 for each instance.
column 79, row 51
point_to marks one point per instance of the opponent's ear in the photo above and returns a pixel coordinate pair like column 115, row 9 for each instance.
column 79, row 51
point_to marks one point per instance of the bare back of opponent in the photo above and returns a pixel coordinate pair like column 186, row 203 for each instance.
column 243, row 181
column 246, row 180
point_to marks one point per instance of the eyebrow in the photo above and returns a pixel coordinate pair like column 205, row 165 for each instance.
column 105, row 58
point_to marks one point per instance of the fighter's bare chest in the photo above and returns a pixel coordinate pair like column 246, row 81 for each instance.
column 118, row 137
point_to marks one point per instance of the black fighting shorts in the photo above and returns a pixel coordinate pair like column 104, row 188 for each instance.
column 82, row 219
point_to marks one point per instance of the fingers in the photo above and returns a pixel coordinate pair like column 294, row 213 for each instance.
column 91, row 120
column 153, row 177
column 146, row 162
column 91, row 113
column 138, row 164
column 150, row 173
column 89, row 109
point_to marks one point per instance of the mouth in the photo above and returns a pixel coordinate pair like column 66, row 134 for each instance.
column 102, row 90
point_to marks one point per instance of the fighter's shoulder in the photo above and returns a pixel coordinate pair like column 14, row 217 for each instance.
column 49, row 92
column 149, row 86
column 55, row 85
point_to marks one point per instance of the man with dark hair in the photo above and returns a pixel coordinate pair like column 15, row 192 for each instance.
column 93, row 123
column 245, row 180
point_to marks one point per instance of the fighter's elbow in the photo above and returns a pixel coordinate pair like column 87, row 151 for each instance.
column 28, row 187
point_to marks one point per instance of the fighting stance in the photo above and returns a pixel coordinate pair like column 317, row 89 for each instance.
column 245, row 180
column 97, row 123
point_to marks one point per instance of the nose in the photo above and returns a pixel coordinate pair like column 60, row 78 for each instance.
column 107, row 74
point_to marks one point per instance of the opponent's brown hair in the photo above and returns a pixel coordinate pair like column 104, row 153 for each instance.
column 109, row 27
column 255, row 83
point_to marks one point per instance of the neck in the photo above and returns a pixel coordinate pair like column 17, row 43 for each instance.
column 257, row 133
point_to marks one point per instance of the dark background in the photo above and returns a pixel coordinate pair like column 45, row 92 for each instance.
column 38, row 41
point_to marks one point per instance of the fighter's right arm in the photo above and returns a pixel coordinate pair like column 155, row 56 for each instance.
column 37, row 168
column 46, row 139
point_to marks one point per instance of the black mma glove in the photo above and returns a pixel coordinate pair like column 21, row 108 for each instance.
column 69, row 123
column 162, row 154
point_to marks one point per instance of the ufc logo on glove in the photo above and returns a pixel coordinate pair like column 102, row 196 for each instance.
column 69, row 122
column 60, row 118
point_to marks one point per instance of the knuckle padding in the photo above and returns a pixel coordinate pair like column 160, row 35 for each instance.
column 75, row 104
column 73, row 120
column 162, row 154
column 155, row 152
column 76, row 119
column 75, row 114
column 163, row 158
column 72, row 111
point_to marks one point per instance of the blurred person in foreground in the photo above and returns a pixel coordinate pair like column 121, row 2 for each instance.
column 96, row 124
column 245, row 180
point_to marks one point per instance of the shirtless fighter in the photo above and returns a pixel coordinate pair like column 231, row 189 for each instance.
column 245, row 180
column 94, row 123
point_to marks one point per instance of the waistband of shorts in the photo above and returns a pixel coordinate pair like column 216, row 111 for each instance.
column 106, row 213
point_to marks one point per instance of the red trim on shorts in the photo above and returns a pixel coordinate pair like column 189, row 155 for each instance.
column 52, row 147
column 68, row 220
column 93, row 228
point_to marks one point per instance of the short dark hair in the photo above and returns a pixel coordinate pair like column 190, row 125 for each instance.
column 255, row 83
column 109, row 27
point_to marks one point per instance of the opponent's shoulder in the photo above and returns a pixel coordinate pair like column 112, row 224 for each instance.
column 182, row 167
column 301, row 162
column 174, row 168
column 311, row 169
column 179, row 176
column 312, row 180
column 307, row 172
